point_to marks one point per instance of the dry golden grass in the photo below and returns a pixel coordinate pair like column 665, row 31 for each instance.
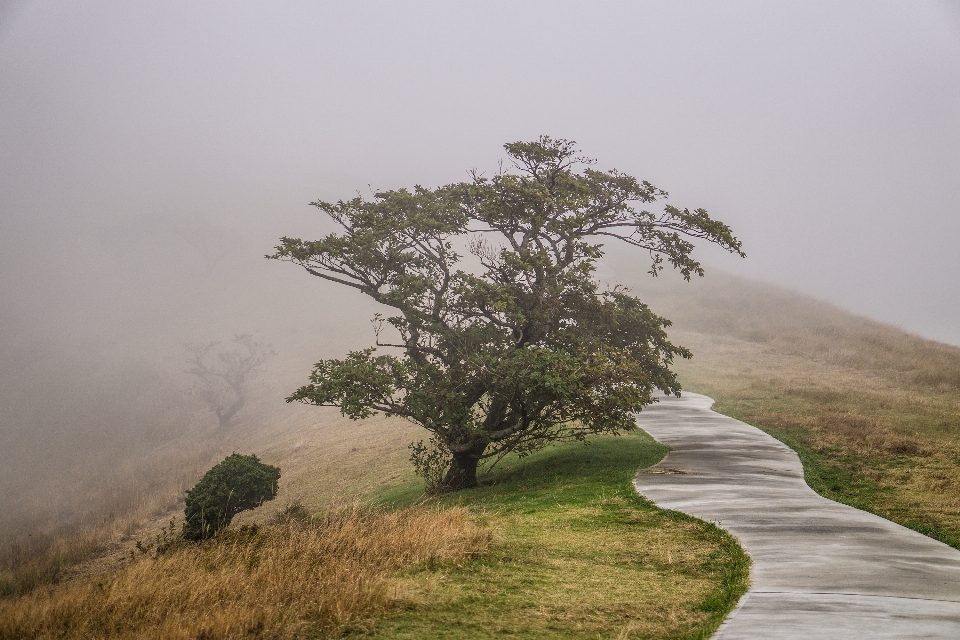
column 38, row 551
column 574, row 554
column 280, row 580
column 324, row 458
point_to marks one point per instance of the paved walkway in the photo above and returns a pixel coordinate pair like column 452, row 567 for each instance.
column 820, row 569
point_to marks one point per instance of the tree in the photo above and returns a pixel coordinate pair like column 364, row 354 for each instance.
column 222, row 376
column 236, row 484
column 524, row 349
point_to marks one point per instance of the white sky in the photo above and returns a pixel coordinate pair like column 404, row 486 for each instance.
column 827, row 134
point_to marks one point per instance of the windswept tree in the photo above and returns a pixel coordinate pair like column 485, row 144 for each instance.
column 524, row 349
column 223, row 374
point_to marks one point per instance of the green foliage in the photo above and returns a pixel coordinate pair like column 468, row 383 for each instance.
column 430, row 462
column 526, row 349
column 236, row 484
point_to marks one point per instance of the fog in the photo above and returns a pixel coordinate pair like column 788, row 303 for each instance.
column 151, row 153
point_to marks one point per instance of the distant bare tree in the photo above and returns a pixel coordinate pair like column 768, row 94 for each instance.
column 222, row 375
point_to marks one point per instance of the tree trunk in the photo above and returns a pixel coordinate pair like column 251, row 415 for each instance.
column 224, row 416
column 462, row 473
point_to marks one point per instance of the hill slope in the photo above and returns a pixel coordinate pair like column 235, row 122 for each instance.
column 873, row 411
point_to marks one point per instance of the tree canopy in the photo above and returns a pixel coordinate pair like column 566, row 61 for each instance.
column 521, row 347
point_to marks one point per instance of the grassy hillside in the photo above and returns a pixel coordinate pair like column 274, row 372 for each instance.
column 578, row 554
column 510, row 555
column 557, row 545
column 873, row 411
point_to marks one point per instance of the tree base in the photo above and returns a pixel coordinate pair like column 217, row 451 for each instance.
column 462, row 473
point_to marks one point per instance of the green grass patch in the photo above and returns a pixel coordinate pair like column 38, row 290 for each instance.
column 576, row 554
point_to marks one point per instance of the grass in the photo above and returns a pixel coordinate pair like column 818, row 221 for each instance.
column 37, row 551
column 576, row 554
column 557, row 545
column 321, row 464
column 293, row 577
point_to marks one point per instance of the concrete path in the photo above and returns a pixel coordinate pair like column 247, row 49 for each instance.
column 820, row 569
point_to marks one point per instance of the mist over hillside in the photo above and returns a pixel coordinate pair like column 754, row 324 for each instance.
column 787, row 322
column 95, row 402
column 94, row 395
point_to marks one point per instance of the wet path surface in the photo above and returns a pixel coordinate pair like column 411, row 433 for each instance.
column 820, row 569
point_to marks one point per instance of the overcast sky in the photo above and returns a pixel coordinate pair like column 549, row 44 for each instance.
column 827, row 134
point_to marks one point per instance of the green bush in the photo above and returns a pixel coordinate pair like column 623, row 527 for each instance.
column 236, row 484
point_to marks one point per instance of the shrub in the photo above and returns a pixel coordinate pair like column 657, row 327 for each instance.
column 236, row 484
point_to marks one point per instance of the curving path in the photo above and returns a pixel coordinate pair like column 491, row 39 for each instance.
column 820, row 569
